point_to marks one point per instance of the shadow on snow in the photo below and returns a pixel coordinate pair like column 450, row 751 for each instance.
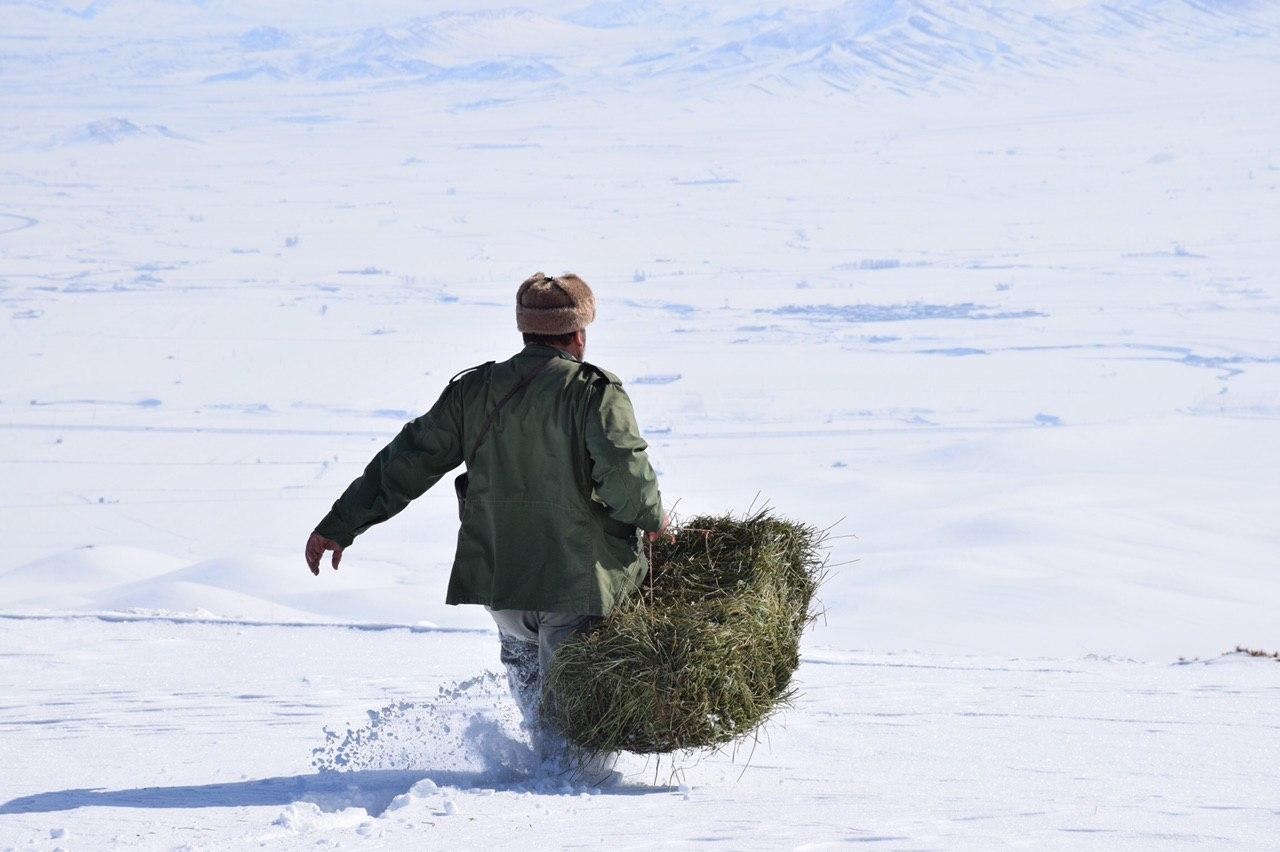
column 372, row 790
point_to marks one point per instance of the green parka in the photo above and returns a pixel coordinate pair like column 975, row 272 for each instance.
column 560, row 489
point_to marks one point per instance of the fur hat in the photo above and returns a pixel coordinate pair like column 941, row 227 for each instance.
column 559, row 305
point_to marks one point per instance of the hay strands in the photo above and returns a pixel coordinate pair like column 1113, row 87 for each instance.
column 705, row 653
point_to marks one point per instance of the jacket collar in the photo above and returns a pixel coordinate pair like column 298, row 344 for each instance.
column 542, row 350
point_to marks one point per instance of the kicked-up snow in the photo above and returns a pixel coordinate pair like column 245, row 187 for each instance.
column 988, row 287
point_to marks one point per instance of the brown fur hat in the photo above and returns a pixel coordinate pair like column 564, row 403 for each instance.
column 559, row 305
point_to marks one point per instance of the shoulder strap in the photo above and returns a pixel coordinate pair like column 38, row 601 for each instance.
column 488, row 421
column 462, row 373
column 600, row 372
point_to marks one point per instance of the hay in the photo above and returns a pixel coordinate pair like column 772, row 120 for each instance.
column 704, row 652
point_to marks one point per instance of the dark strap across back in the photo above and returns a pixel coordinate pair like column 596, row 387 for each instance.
column 523, row 383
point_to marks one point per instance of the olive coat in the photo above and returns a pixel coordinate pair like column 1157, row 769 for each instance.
column 560, row 487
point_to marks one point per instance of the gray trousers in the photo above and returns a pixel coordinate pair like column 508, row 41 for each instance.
column 529, row 640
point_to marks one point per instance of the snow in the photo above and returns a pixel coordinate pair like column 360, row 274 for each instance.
column 214, row 746
column 988, row 287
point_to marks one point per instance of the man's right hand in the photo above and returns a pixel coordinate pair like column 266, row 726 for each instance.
column 316, row 546
column 664, row 531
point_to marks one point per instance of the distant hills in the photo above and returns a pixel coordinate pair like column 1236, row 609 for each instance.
column 902, row 45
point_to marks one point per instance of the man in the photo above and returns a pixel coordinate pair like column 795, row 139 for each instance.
column 558, row 487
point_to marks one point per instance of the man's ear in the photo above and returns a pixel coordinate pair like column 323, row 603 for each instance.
column 580, row 338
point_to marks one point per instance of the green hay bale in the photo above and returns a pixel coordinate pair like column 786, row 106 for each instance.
column 705, row 651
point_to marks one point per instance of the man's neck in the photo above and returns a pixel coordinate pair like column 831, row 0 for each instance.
column 577, row 356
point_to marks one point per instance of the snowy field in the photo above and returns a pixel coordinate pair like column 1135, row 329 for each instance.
column 211, row 749
column 991, row 287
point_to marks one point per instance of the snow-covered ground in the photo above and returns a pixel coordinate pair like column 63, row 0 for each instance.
column 212, row 747
column 994, row 287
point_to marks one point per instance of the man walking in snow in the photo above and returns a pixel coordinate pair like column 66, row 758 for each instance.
column 558, row 488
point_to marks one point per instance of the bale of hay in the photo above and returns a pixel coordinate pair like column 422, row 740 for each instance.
column 703, row 653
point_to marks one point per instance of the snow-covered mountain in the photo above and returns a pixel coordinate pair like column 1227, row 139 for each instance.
column 907, row 46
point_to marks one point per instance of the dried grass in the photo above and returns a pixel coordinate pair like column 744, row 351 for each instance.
column 704, row 653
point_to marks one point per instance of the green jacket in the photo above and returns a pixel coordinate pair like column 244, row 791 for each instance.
column 560, row 489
